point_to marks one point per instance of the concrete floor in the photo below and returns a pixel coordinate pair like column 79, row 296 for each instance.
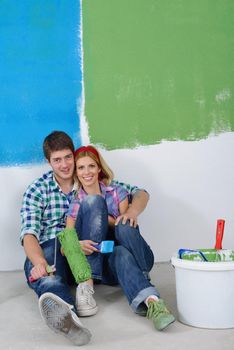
column 114, row 327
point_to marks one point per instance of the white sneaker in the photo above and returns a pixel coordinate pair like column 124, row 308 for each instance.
column 85, row 303
column 60, row 317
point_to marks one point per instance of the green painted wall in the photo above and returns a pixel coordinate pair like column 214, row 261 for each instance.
column 157, row 69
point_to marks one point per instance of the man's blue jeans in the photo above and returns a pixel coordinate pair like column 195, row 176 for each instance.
column 59, row 282
column 131, row 260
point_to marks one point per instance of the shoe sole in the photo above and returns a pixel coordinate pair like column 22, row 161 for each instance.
column 58, row 317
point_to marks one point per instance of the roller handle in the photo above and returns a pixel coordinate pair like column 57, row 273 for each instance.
column 219, row 233
column 49, row 268
column 31, row 279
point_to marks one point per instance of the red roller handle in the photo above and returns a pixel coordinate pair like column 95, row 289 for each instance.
column 219, row 233
column 49, row 268
column 31, row 279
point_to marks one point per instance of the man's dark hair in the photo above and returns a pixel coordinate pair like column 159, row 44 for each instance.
column 57, row 141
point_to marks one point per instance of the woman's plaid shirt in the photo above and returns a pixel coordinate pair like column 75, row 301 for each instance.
column 45, row 206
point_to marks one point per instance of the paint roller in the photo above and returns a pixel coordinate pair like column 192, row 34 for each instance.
column 75, row 256
column 211, row 255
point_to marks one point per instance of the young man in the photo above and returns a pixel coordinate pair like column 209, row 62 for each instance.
column 43, row 213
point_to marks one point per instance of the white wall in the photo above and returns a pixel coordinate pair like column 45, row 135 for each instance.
column 191, row 185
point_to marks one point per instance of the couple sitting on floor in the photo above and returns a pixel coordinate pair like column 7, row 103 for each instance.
column 80, row 193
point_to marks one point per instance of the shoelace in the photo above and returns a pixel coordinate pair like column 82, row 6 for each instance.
column 85, row 292
column 156, row 308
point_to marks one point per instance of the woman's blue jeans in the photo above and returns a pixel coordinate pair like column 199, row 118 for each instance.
column 59, row 283
column 131, row 260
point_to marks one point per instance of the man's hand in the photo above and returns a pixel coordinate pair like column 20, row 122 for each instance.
column 88, row 246
column 111, row 221
column 39, row 271
column 130, row 215
column 139, row 202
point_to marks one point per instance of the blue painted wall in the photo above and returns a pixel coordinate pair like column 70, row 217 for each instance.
column 40, row 74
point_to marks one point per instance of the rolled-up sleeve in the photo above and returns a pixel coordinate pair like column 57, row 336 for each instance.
column 31, row 213
column 122, row 193
column 129, row 188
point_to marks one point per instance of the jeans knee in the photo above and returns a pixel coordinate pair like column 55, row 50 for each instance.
column 50, row 284
column 93, row 205
column 93, row 200
column 125, row 231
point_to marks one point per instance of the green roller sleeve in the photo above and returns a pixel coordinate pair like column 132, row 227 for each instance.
column 76, row 258
column 211, row 255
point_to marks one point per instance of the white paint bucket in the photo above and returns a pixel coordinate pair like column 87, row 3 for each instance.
column 205, row 293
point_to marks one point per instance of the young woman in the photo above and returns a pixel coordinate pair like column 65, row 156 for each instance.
column 96, row 214
column 94, row 178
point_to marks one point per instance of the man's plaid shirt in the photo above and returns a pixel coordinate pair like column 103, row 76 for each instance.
column 45, row 206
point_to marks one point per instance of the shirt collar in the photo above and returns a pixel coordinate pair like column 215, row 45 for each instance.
column 55, row 185
column 105, row 189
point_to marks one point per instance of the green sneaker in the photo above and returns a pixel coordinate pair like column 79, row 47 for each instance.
column 158, row 313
